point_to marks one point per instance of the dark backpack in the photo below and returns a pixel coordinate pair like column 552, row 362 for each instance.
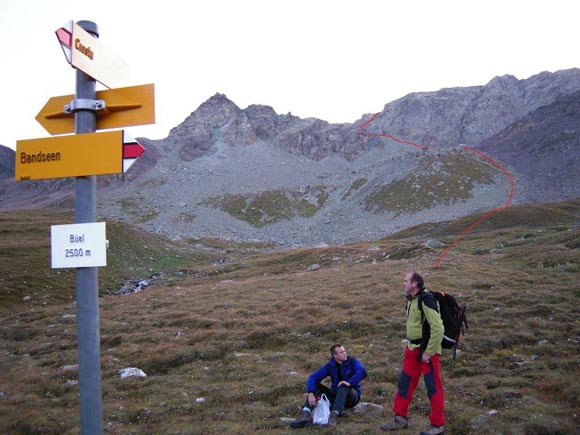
column 453, row 317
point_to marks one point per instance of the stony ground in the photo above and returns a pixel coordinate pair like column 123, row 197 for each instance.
column 171, row 199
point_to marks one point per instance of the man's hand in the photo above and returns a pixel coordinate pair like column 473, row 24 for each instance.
column 426, row 357
column 312, row 400
column 344, row 383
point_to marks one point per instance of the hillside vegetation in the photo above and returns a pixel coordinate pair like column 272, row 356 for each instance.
column 229, row 334
column 442, row 181
column 26, row 265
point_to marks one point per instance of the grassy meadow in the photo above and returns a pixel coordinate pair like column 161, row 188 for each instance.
column 230, row 332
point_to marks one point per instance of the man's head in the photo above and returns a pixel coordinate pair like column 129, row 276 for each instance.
column 413, row 283
column 338, row 353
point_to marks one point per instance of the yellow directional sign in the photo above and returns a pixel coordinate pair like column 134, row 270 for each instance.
column 70, row 156
column 124, row 107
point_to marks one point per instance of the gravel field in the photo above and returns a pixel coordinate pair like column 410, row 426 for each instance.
column 171, row 198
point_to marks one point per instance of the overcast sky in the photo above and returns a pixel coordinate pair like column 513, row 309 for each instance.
column 330, row 59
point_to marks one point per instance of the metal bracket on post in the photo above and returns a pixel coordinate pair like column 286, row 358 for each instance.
column 84, row 104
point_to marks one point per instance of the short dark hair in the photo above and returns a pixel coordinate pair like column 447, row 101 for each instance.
column 334, row 347
column 415, row 277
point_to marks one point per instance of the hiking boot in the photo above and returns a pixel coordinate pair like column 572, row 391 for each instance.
column 399, row 422
column 303, row 419
column 333, row 419
column 434, row 430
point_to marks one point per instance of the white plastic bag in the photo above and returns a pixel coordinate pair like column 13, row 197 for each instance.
column 322, row 411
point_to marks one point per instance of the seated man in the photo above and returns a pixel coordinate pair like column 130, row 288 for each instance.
column 346, row 374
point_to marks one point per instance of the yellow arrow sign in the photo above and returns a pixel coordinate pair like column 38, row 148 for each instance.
column 124, row 107
column 79, row 155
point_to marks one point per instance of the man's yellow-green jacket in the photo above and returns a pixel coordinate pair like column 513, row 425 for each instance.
column 415, row 324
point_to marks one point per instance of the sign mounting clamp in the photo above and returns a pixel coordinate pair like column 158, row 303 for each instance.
column 84, row 104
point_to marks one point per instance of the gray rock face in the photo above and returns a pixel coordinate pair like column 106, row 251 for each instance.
column 454, row 116
column 6, row 162
column 544, row 148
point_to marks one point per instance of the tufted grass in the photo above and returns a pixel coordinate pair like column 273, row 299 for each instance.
column 244, row 336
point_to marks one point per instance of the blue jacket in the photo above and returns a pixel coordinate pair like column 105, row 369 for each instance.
column 351, row 371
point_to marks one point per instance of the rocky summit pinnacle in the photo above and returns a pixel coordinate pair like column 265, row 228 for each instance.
column 211, row 114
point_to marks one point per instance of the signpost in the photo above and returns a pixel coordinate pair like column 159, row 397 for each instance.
column 85, row 155
column 122, row 107
column 80, row 155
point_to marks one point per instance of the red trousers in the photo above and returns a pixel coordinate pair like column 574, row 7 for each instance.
column 408, row 380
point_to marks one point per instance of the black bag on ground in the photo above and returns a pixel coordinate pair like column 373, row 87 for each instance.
column 453, row 317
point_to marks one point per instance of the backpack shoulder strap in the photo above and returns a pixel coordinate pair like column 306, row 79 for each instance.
column 426, row 331
column 420, row 305
column 429, row 299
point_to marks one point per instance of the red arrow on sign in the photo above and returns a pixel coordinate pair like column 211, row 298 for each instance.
column 132, row 150
column 64, row 35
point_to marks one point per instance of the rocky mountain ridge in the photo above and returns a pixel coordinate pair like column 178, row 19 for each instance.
column 469, row 115
column 219, row 116
column 448, row 117
column 253, row 175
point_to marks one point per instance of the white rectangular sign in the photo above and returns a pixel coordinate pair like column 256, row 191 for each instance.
column 79, row 245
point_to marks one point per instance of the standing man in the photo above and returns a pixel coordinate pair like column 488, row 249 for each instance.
column 346, row 373
column 422, row 354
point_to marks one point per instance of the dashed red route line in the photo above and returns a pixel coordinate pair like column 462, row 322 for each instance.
column 396, row 139
column 466, row 148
